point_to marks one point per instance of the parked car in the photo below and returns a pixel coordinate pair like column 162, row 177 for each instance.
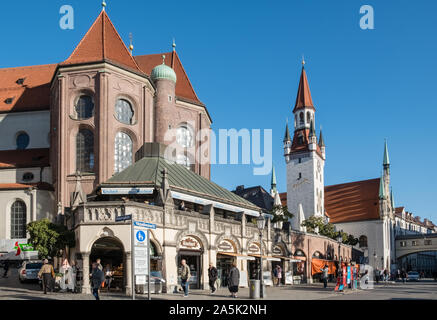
column 413, row 276
column 29, row 271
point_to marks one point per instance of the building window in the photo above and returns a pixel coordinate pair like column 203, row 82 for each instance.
column 28, row 176
column 300, row 139
column 169, row 98
column 363, row 242
column 18, row 220
column 301, row 118
column 300, row 176
column 308, row 117
column 428, row 242
column 122, row 152
column 184, row 136
column 84, row 107
column 85, row 151
column 22, row 140
column 124, row 111
column 414, row 243
column 300, row 160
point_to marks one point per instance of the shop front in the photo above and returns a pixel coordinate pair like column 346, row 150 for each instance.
column 299, row 267
column 226, row 256
column 278, row 252
column 191, row 250
column 254, row 266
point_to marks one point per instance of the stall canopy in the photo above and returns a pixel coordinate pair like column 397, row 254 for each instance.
column 239, row 256
column 318, row 264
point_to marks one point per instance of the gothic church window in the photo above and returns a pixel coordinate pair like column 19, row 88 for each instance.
column 124, row 111
column 184, row 136
column 18, row 220
column 122, row 152
column 85, row 151
column 84, row 107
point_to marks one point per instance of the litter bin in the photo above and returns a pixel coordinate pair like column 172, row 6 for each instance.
column 254, row 286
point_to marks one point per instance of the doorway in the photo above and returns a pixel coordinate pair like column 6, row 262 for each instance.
column 194, row 261
column 224, row 265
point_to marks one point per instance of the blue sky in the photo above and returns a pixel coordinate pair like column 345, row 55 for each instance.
column 243, row 58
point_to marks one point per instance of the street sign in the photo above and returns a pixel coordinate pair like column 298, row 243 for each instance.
column 123, row 218
column 144, row 225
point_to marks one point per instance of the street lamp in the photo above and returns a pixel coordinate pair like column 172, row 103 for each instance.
column 339, row 239
column 261, row 222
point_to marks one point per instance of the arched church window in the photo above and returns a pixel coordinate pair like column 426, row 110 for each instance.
column 363, row 242
column 84, row 107
column 85, row 151
column 122, row 152
column 308, row 117
column 124, row 111
column 184, row 136
column 301, row 118
column 18, row 220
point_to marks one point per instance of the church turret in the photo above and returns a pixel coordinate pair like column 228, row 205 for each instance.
column 386, row 165
column 273, row 190
column 312, row 137
column 322, row 144
column 287, row 144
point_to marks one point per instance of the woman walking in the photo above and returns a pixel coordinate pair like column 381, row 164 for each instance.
column 234, row 280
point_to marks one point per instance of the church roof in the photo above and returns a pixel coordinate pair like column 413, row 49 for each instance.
column 27, row 158
column 303, row 98
column 354, row 201
column 256, row 195
column 147, row 172
column 102, row 42
column 25, row 88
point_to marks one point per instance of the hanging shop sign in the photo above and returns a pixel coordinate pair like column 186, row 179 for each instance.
column 190, row 243
column 277, row 251
column 254, row 249
column 226, row 246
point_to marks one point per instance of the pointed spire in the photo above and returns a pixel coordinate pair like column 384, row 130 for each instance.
column 382, row 195
column 287, row 133
column 392, row 199
column 273, row 182
column 321, row 141
column 303, row 98
column 386, row 162
column 312, row 131
column 173, row 54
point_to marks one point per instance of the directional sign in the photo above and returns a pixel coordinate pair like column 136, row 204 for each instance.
column 123, row 218
column 144, row 225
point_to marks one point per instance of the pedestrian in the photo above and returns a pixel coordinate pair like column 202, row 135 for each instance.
column 46, row 273
column 279, row 274
column 234, row 280
column 403, row 276
column 97, row 277
column 73, row 276
column 99, row 265
column 6, row 268
column 325, row 274
column 212, row 274
column 108, row 277
column 377, row 275
column 185, row 276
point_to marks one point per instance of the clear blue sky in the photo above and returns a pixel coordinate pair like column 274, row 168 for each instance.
column 243, row 58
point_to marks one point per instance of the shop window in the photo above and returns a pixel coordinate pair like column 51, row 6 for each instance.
column 18, row 220
column 85, row 151
column 84, row 107
column 124, row 111
column 363, row 242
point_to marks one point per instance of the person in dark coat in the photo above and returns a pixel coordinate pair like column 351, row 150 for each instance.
column 6, row 268
column 234, row 280
column 97, row 277
column 325, row 275
column 403, row 275
column 212, row 274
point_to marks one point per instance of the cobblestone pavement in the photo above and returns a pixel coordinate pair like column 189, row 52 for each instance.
column 12, row 289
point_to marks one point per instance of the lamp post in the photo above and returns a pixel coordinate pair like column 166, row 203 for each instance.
column 339, row 239
column 261, row 222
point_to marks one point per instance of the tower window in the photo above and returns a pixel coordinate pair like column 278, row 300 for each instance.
column 85, row 151
column 301, row 118
column 300, row 139
column 84, row 107
column 308, row 117
column 123, row 111
column 300, row 160
column 169, row 98
column 28, row 176
column 184, row 136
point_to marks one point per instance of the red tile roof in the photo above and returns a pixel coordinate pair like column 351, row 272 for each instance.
column 19, row 186
column 32, row 95
column 303, row 98
column 355, row 201
column 102, row 42
column 296, row 147
column 184, row 88
column 24, row 158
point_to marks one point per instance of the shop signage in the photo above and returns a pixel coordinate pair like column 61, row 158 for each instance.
column 254, row 249
column 226, row 246
column 277, row 250
column 190, row 243
column 127, row 190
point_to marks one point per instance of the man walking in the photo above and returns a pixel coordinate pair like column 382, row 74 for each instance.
column 47, row 273
column 97, row 277
column 325, row 274
column 403, row 275
column 99, row 265
column 6, row 268
column 212, row 274
column 185, row 276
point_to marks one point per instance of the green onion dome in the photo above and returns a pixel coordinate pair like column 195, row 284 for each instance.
column 163, row 71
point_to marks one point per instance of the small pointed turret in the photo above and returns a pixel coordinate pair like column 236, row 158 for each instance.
column 386, row 162
column 273, row 190
column 312, row 137
column 382, row 195
column 287, row 144
column 312, row 130
column 287, row 133
column 392, row 200
column 321, row 141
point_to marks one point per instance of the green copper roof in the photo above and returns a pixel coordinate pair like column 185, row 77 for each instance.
column 273, row 182
column 147, row 173
column 163, row 72
column 386, row 159
column 381, row 188
column 312, row 131
column 321, row 141
column 287, row 133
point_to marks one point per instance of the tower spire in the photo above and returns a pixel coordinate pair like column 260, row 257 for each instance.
column 173, row 54
column 382, row 195
column 321, row 141
column 287, row 133
column 386, row 162
column 303, row 98
column 273, row 183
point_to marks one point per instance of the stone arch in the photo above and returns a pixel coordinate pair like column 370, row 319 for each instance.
column 231, row 238
column 156, row 242
column 282, row 245
column 105, row 232
column 196, row 234
column 264, row 246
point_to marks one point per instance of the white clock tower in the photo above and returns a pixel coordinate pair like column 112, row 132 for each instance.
column 305, row 159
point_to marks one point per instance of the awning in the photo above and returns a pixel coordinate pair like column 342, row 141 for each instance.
column 288, row 258
column 268, row 258
column 239, row 256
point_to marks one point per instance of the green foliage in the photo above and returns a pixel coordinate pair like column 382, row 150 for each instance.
column 49, row 238
column 278, row 217
column 327, row 230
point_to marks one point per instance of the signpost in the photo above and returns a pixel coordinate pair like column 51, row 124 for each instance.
column 140, row 248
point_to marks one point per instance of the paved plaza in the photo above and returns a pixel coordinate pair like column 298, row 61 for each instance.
column 12, row 289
